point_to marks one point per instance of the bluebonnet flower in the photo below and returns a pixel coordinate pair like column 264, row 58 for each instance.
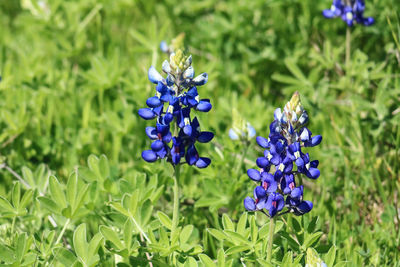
column 175, row 97
column 350, row 11
column 282, row 162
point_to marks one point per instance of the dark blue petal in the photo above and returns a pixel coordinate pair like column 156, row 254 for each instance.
column 305, row 206
column 203, row 162
column 149, row 155
column 316, row 140
column 147, row 113
column 249, row 204
column 254, row 174
column 205, row 137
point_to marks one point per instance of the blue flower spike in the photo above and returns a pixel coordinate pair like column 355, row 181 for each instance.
column 350, row 11
column 285, row 159
column 175, row 97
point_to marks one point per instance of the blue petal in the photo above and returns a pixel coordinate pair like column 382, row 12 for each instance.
column 205, row 137
column 233, row 135
column 187, row 129
column 157, row 145
column 262, row 162
column 151, row 133
column 327, row 13
column 249, row 204
column 154, row 76
column 203, row 162
column 251, row 131
column 368, row 21
column 164, row 46
column 204, row 106
column 149, row 155
column 153, row 102
column 259, row 192
column 262, row 142
column 147, row 113
column 305, row 206
column 314, row 173
column 201, row 79
column 254, row 174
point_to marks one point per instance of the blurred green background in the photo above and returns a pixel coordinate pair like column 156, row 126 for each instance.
column 74, row 74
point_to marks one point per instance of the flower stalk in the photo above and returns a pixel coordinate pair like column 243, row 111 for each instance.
column 270, row 238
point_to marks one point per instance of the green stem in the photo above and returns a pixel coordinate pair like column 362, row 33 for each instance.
column 175, row 213
column 141, row 232
column 348, row 46
column 271, row 239
column 62, row 231
column 243, row 156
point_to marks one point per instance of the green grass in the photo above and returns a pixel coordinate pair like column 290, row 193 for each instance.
column 73, row 80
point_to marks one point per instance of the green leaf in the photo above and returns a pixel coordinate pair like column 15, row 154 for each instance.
column 94, row 245
column 80, row 243
column 218, row 234
column 206, row 260
column 16, row 195
column 26, row 199
column 72, row 189
column 190, row 262
column 241, row 226
column 64, row 256
column 134, row 199
column 164, row 219
column 221, row 257
column 104, row 167
column 227, row 223
column 110, row 235
column 235, row 237
column 80, row 198
column 5, row 205
column 28, row 176
column 237, row 249
column 56, row 192
column 312, row 224
column 50, row 205
column 185, row 234
column 146, row 210
column 128, row 230
column 6, row 254
column 296, row 224
column 253, row 229
column 330, row 256
column 21, row 247
column 311, row 239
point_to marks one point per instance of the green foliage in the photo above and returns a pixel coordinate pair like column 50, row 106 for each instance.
column 74, row 74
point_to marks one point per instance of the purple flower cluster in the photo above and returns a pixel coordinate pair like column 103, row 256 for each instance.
column 283, row 161
column 175, row 97
column 351, row 12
